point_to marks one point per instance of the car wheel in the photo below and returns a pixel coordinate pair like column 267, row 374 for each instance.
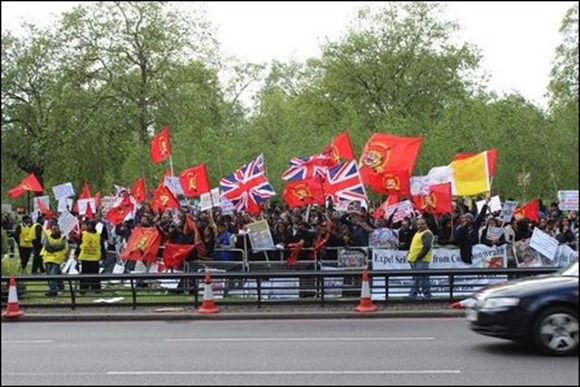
column 555, row 331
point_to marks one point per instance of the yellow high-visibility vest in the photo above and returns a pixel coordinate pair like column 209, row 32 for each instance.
column 417, row 246
column 90, row 247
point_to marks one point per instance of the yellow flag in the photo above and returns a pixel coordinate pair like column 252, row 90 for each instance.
column 471, row 175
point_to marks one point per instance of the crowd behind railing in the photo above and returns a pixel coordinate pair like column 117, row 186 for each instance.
column 301, row 236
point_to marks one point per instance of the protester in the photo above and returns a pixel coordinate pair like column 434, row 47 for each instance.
column 25, row 234
column 54, row 253
column 419, row 257
column 90, row 251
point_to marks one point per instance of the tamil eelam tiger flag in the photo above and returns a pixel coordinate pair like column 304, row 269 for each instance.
column 161, row 146
column 385, row 152
column 195, row 181
column 142, row 245
column 390, row 182
column 191, row 226
column 29, row 183
column 303, row 192
column 174, row 254
column 529, row 210
column 341, row 147
column 118, row 213
column 471, row 175
column 439, row 200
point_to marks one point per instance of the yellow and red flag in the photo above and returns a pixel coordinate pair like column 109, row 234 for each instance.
column 491, row 159
column 160, row 146
column 471, row 175
column 195, row 181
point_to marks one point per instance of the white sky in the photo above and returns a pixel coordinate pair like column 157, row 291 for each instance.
column 517, row 39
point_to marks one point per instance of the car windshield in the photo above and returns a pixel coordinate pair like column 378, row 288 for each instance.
column 571, row 270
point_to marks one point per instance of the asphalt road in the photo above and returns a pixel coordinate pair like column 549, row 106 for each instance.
column 428, row 351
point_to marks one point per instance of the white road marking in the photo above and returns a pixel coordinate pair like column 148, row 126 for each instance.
column 305, row 339
column 370, row 372
column 26, row 341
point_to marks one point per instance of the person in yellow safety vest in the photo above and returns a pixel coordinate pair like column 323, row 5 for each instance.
column 419, row 256
column 54, row 252
column 90, row 251
column 25, row 234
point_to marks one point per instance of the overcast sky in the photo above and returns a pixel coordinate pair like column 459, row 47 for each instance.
column 517, row 39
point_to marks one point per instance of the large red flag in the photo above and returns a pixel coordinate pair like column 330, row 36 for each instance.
column 142, row 245
column 385, row 152
column 139, row 190
column 302, row 192
column 86, row 192
column 29, row 183
column 195, row 181
column 491, row 159
column 390, row 182
column 530, row 210
column 163, row 199
column 160, row 146
column 116, row 214
column 341, row 147
column 175, row 254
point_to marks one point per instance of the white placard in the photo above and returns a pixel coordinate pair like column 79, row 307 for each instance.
column 568, row 200
column 107, row 202
column 64, row 204
column 493, row 206
column 63, row 190
column 44, row 199
column 83, row 205
column 419, row 185
column 227, row 207
column 67, row 222
column 494, row 233
column 508, row 210
column 174, row 185
column 205, row 201
column 544, row 243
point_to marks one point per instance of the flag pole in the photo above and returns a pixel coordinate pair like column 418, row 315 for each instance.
column 171, row 165
column 28, row 202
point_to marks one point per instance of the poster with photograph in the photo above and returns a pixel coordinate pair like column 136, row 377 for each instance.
column 260, row 235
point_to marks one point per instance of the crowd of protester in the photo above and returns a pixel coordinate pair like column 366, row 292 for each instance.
column 318, row 228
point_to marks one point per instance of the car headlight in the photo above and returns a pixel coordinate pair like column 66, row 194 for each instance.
column 499, row 304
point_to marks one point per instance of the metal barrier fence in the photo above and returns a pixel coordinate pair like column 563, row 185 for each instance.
column 252, row 287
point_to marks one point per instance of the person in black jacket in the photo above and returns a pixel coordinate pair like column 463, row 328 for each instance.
column 467, row 233
column 37, row 264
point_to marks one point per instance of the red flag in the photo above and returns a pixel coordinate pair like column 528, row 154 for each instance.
column 29, row 183
column 163, row 199
column 341, row 147
column 174, row 254
column 384, row 152
column 89, row 214
column 302, row 192
column 195, row 181
column 390, row 182
column 142, row 245
column 530, row 210
column 491, row 159
column 190, row 226
column 139, row 190
column 86, row 192
column 43, row 208
column 116, row 214
column 97, row 200
column 160, row 146
column 437, row 202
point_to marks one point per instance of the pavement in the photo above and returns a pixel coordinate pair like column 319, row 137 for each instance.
column 241, row 312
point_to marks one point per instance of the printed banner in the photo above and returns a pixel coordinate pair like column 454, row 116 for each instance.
column 526, row 256
column 64, row 204
column 352, row 258
column 568, row 200
column 404, row 209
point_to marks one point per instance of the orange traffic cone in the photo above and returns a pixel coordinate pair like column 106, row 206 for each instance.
column 208, row 304
column 365, row 304
column 13, row 309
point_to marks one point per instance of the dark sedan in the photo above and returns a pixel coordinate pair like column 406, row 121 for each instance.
column 541, row 310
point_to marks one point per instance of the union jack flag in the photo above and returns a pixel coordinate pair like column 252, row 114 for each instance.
column 247, row 186
column 302, row 168
column 343, row 183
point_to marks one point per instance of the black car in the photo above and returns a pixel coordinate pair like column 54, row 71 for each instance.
column 541, row 310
